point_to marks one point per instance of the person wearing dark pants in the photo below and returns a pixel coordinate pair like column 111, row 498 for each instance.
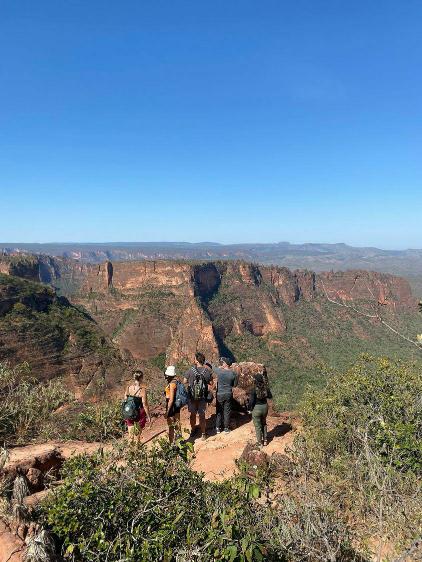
column 258, row 405
column 259, row 418
column 224, row 410
column 226, row 379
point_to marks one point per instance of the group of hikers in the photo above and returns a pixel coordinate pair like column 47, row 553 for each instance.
column 196, row 391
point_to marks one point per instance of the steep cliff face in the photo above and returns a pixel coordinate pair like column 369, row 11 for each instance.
column 194, row 332
column 54, row 337
column 26, row 267
column 380, row 288
column 152, row 308
column 131, row 277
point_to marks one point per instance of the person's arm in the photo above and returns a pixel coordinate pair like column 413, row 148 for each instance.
column 144, row 396
column 185, row 377
column 172, row 398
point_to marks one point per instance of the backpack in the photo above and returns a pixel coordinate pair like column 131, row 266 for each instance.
column 199, row 389
column 181, row 395
column 261, row 389
column 130, row 409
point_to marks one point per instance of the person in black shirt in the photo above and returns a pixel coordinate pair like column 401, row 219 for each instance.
column 258, row 405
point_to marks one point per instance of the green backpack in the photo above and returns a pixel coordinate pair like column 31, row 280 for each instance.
column 130, row 408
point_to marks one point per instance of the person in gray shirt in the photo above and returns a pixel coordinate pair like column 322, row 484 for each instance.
column 226, row 379
column 198, row 379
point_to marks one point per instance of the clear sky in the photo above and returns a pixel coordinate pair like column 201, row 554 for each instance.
column 216, row 120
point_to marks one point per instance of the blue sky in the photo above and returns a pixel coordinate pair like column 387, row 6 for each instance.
column 228, row 121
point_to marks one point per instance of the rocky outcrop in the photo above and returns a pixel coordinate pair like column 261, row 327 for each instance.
column 131, row 277
column 23, row 267
column 377, row 288
column 194, row 332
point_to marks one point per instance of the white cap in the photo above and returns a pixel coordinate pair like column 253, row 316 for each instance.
column 170, row 371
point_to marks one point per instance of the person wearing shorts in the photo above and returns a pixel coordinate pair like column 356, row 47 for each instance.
column 198, row 407
column 139, row 392
column 172, row 414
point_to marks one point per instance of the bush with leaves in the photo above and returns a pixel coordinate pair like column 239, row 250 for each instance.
column 27, row 404
column 137, row 505
column 100, row 421
column 378, row 400
column 362, row 445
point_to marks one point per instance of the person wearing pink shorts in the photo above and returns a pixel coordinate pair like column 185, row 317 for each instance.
column 138, row 391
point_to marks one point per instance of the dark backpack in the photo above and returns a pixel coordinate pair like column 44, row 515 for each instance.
column 130, row 408
column 181, row 395
column 199, row 389
column 261, row 388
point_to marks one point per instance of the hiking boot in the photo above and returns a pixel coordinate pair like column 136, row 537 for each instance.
column 218, row 430
column 265, row 443
column 226, row 430
column 203, row 436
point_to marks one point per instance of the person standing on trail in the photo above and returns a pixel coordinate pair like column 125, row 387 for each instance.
column 198, row 379
column 136, row 396
column 226, row 380
column 172, row 414
column 258, row 405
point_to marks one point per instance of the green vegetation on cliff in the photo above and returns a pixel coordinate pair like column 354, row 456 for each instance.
column 319, row 339
column 45, row 330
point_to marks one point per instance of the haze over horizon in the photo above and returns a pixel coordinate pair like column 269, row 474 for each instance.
column 115, row 243
column 226, row 122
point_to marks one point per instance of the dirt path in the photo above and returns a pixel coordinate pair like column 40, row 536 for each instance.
column 216, row 457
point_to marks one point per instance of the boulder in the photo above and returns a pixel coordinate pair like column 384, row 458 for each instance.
column 255, row 459
column 35, row 479
column 246, row 370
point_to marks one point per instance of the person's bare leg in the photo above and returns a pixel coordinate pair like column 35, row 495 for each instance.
column 170, row 423
column 130, row 432
column 203, row 423
column 138, row 432
column 192, row 420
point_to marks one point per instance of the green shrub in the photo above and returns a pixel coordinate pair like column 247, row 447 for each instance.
column 27, row 404
column 88, row 422
column 139, row 505
column 361, row 444
column 378, row 400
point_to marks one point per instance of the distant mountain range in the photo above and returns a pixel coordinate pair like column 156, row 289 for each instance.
column 318, row 257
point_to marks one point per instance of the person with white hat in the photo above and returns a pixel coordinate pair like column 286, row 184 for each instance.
column 172, row 411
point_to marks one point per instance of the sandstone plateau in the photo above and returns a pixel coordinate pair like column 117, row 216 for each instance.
column 153, row 313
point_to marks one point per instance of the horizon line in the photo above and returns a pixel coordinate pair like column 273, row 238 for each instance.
column 202, row 243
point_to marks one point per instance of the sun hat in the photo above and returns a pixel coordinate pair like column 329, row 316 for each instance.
column 170, row 371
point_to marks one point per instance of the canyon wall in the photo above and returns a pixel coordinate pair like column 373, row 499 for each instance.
column 167, row 310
